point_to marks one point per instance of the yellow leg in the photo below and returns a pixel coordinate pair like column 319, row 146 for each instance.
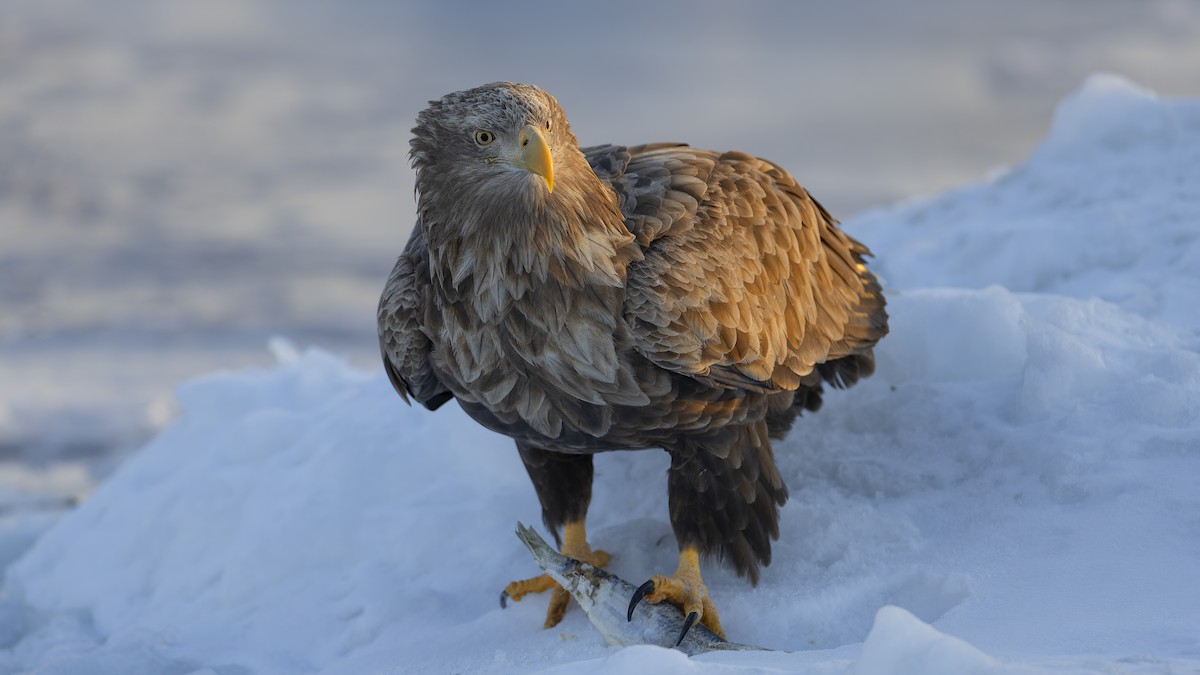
column 686, row 590
column 574, row 546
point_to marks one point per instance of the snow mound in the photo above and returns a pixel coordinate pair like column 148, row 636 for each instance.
column 1105, row 207
column 900, row 644
column 301, row 519
column 1018, row 476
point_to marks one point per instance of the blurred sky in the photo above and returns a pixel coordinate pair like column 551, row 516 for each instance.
column 181, row 180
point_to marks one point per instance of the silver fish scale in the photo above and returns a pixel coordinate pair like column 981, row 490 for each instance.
column 605, row 597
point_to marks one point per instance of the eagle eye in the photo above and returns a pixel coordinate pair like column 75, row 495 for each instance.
column 484, row 138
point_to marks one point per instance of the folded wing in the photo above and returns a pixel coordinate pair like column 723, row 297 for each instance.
column 746, row 281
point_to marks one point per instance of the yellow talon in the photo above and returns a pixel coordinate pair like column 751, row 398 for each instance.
column 574, row 546
column 686, row 590
column 519, row 589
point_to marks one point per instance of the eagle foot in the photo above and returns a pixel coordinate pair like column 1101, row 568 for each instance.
column 574, row 546
column 686, row 590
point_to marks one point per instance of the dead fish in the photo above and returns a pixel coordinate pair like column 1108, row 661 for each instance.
column 605, row 598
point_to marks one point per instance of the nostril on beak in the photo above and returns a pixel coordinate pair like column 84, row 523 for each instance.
column 524, row 142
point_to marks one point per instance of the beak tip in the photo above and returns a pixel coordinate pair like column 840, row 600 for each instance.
column 535, row 156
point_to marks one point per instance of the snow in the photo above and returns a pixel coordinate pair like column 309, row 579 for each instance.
column 899, row 643
column 1013, row 491
column 1104, row 208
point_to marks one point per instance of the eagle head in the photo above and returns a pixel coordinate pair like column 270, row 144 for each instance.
column 497, row 143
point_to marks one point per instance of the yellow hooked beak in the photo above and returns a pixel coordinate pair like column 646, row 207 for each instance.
column 535, row 155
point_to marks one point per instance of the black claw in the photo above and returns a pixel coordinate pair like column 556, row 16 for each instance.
column 687, row 625
column 503, row 599
column 642, row 591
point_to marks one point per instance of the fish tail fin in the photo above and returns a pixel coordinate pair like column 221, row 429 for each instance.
column 542, row 553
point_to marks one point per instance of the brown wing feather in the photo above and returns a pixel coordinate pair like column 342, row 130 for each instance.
column 402, row 342
column 746, row 281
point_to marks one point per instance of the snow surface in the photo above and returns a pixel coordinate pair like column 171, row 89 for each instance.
column 1106, row 207
column 1013, row 491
